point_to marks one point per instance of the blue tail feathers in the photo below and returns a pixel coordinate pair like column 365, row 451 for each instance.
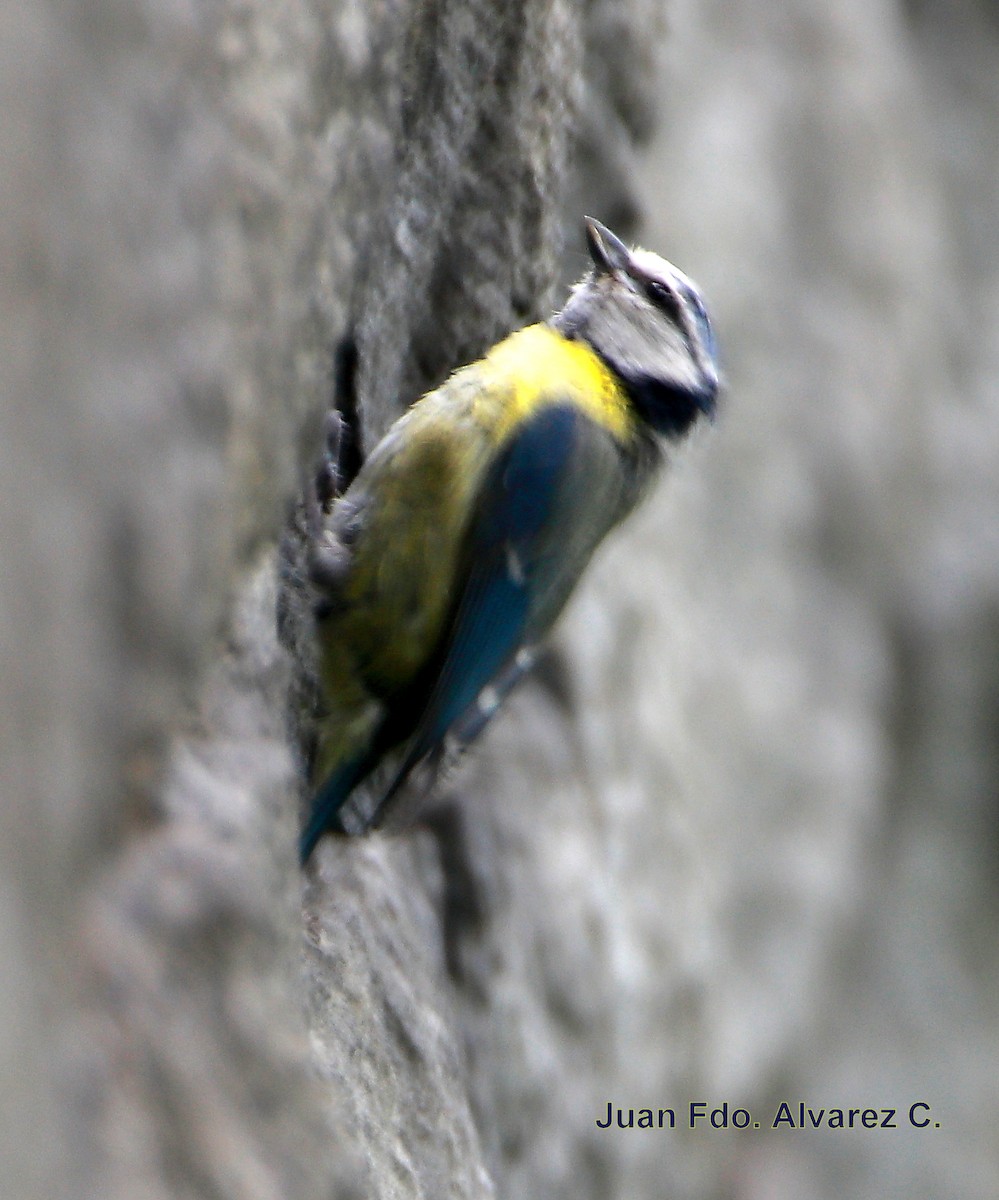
column 327, row 804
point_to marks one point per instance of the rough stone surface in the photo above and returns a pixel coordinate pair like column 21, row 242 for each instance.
column 735, row 842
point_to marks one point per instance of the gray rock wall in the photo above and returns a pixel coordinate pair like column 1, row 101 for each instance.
column 735, row 842
column 830, row 172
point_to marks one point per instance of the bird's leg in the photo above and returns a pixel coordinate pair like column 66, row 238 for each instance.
column 328, row 557
column 327, row 483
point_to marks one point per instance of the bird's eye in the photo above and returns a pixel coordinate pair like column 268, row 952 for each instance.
column 664, row 298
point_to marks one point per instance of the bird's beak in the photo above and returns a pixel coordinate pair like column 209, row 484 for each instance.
column 608, row 252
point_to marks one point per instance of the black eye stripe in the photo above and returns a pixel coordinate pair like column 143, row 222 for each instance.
column 664, row 298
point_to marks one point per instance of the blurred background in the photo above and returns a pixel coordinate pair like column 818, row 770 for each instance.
column 827, row 562
column 737, row 842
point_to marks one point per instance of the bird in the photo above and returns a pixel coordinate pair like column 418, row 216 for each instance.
column 451, row 553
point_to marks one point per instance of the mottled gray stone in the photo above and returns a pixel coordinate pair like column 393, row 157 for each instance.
column 735, row 842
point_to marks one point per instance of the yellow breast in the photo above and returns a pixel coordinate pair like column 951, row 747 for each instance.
column 540, row 366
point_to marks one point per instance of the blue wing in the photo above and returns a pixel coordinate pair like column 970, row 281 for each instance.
column 509, row 544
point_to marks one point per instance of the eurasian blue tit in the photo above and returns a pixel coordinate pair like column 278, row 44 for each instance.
column 461, row 537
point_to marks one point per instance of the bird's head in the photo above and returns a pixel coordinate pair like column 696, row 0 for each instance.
column 648, row 323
